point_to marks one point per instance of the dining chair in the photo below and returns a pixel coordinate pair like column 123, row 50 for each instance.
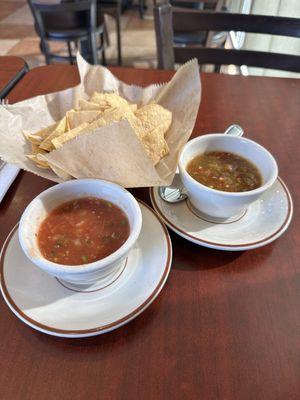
column 199, row 37
column 70, row 22
column 170, row 20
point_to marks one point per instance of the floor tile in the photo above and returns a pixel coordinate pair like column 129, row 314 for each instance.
column 136, row 38
column 6, row 45
column 22, row 16
column 139, row 52
column 8, row 8
column 136, row 23
column 139, row 55
column 16, row 31
column 111, row 22
column 24, row 47
column 31, row 47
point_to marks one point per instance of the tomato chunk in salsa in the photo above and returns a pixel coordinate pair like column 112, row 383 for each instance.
column 82, row 231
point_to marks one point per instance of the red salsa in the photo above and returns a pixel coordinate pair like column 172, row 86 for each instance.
column 82, row 231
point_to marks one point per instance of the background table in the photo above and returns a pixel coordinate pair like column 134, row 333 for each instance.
column 11, row 71
column 226, row 325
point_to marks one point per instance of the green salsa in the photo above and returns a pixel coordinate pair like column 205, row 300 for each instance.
column 224, row 171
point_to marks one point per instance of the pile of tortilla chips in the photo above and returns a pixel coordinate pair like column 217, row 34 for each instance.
column 150, row 123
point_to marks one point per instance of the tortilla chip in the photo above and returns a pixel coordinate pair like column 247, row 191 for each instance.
column 58, row 131
column 38, row 137
column 153, row 140
column 41, row 161
column 32, row 138
column 67, row 120
column 155, row 145
column 154, row 116
column 60, row 172
column 37, row 161
column 36, row 149
column 133, row 107
column 108, row 100
column 35, row 156
column 84, row 105
column 58, row 141
column 108, row 117
column 76, row 118
column 150, row 123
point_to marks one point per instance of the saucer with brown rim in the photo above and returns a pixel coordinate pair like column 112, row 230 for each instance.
column 261, row 223
column 51, row 306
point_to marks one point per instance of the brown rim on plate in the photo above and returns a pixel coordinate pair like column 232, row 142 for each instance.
column 110, row 326
column 202, row 241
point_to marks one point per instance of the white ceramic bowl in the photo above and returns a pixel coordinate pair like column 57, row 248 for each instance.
column 102, row 270
column 215, row 203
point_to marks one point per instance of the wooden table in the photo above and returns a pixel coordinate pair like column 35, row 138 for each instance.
column 226, row 325
column 11, row 71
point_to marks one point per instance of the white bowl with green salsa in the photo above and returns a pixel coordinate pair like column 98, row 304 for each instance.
column 223, row 174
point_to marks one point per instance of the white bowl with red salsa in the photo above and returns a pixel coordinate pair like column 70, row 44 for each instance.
column 81, row 231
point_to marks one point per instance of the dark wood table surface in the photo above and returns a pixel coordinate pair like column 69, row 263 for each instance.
column 11, row 71
column 225, row 326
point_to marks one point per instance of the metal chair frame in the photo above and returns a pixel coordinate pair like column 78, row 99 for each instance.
column 87, row 33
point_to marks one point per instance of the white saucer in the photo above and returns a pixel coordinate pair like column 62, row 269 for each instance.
column 262, row 223
column 43, row 303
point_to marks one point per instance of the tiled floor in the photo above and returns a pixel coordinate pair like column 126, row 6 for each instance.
column 18, row 37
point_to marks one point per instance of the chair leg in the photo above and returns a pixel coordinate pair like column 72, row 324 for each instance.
column 45, row 50
column 93, row 48
column 70, row 52
column 118, row 26
column 141, row 4
column 103, row 48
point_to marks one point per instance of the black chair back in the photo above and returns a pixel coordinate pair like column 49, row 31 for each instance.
column 68, row 21
column 170, row 20
column 64, row 16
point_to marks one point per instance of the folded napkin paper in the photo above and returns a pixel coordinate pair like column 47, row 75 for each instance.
column 8, row 174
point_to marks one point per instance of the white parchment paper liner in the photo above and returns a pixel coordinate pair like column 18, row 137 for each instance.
column 114, row 152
